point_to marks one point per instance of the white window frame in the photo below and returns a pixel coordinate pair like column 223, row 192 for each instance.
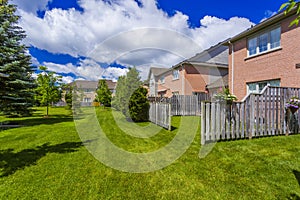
column 257, row 90
column 162, row 79
column 175, row 74
column 269, row 46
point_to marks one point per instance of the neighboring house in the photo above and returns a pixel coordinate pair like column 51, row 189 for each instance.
column 218, row 86
column 153, row 77
column 192, row 76
column 265, row 54
column 88, row 90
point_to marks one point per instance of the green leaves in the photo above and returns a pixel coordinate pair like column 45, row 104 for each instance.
column 288, row 7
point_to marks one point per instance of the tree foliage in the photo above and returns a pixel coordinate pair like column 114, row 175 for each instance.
column 288, row 7
column 126, row 86
column 16, row 82
column 103, row 94
column 47, row 90
column 139, row 105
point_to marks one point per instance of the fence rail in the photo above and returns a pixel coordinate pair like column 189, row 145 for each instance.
column 183, row 105
column 160, row 114
column 259, row 115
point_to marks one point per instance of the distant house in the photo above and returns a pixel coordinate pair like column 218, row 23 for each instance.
column 192, row 76
column 88, row 90
column 153, row 76
column 266, row 54
column 218, row 86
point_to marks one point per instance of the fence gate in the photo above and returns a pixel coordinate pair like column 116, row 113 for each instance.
column 160, row 114
column 259, row 115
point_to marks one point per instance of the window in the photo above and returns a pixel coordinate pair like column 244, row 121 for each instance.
column 175, row 74
column 87, row 100
column 162, row 79
column 264, row 42
column 257, row 87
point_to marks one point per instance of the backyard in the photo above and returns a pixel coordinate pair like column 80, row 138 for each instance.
column 45, row 159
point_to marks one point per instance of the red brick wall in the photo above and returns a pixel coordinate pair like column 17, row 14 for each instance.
column 279, row 64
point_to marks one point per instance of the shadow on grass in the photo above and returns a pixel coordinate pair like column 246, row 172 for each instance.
column 53, row 119
column 11, row 161
column 297, row 176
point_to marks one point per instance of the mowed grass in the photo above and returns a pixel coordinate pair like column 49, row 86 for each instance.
column 46, row 159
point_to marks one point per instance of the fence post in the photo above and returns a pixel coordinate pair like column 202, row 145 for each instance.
column 203, row 110
column 170, row 127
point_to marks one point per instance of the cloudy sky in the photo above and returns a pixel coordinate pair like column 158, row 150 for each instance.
column 92, row 39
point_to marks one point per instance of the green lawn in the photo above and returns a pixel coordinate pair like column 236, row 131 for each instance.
column 45, row 159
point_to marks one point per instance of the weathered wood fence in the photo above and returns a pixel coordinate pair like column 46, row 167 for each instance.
column 259, row 115
column 184, row 105
column 160, row 114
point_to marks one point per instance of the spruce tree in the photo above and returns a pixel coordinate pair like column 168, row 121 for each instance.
column 103, row 94
column 125, row 88
column 16, row 82
column 139, row 105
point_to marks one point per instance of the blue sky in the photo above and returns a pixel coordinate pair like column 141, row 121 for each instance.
column 92, row 39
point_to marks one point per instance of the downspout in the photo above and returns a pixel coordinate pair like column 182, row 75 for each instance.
column 182, row 83
column 232, row 67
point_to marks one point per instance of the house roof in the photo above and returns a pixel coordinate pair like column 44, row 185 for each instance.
column 156, row 71
column 221, row 82
column 215, row 56
column 268, row 22
column 82, row 84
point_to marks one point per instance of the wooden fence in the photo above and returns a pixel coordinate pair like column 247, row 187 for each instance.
column 258, row 115
column 184, row 105
column 160, row 114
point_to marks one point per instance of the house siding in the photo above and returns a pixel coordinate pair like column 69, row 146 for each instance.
column 278, row 64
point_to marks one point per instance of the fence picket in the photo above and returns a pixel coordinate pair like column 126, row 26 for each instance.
column 259, row 115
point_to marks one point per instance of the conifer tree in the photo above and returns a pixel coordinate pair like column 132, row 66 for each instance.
column 16, row 82
column 103, row 94
column 125, row 88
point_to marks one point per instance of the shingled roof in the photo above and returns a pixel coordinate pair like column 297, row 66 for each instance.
column 215, row 56
column 83, row 84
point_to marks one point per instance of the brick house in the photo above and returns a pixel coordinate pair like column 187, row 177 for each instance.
column 192, row 75
column 153, row 78
column 88, row 89
column 265, row 54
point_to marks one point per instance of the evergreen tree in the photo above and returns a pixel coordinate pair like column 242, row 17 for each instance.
column 47, row 90
column 125, row 88
column 103, row 94
column 116, row 103
column 16, row 82
column 139, row 105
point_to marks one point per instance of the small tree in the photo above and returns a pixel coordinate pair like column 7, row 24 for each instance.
column 103, row 94
column 139, row 105
column 47, row 90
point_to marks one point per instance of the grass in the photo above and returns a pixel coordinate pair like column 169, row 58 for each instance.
column 45, row 159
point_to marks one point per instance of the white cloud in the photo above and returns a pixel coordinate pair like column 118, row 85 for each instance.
column 31, row 5
column 67, row 79
column 268, row 14
column 122, row 32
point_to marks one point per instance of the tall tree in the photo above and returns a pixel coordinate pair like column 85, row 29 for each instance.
column 16, row 82
column 125, row 88
column 47, row 90
column 289, row 6
column 103, row 94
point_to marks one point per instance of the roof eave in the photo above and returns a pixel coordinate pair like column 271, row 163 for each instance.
column 270, row 21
